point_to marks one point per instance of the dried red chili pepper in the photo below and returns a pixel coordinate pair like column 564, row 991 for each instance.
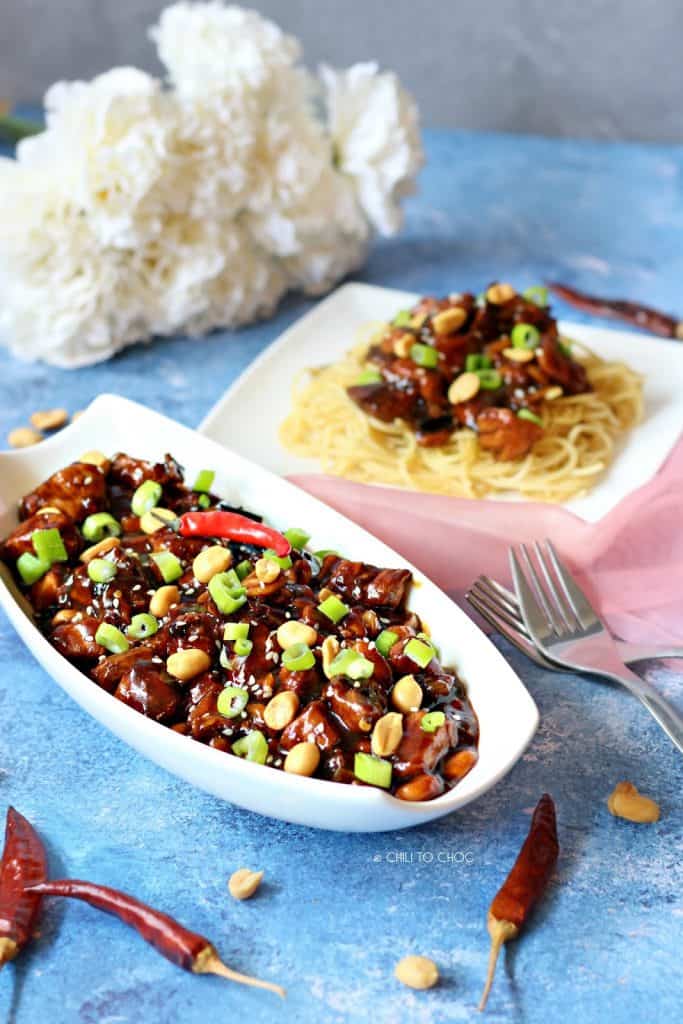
column 524, row 885
column 631, row 312
column 23, row 863
column 232, row 526
column 182, row 947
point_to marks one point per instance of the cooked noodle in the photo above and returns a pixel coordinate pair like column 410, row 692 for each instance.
column 579, row 440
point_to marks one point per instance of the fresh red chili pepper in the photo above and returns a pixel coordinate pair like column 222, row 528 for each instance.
column 23, row 863
column 233, row 526
column 640, row 316
column 182, row 947
column 524, row 885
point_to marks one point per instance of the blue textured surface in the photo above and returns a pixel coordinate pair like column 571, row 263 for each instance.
column 336, row 911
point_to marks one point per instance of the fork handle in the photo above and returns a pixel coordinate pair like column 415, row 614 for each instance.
column 667, row 716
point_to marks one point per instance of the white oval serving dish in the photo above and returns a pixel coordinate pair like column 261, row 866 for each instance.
column 507, row 715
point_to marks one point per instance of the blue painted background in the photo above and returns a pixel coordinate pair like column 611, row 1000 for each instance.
column 336, row 912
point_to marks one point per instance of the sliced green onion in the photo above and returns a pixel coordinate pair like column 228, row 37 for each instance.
column 477, row 361
column 49, row 546
column 243, row 647
column 352, row 664
column 31, row 568
column 424, row 355
column 111, row 638
column 564, row 347
column 236, row 631
column 333, row 608
column 252, row 747
column 285, row 562
column 298, row 658
column 369, row 377
column 204, row 501
column 168, row 565
column 432, row 721
column 226, row 592
column 320, row 555
column 146, row 497
column 142, row 626
column 101, row 571
column 525, row 336
column 297, row 538
column 232, row 701
column 419, row 652
column 373, row 770
column 490, row 380
column 428, row 640
column 243, row 569
column 481, row 299
column 527, row 414
column 403, row 318
column 205, row 478
column 536, row 294
column 100, row 525
column 385, row 641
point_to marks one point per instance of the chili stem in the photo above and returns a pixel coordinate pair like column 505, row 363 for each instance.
column 500, row 932
column 208, row 962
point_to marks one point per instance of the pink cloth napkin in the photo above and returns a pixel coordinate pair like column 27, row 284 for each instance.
column 630, row 562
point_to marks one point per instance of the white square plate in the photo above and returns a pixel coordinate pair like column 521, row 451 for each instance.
column 507, row 715
column 250, row 413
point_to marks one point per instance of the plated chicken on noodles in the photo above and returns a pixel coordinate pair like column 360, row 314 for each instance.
column 468, row 396
column 209, row 621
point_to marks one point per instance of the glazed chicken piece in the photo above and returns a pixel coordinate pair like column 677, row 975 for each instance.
column 149, row 689
column 20, row 540
column 78, row 491
column 502, row 432
column 366, row 584
column 421, row 751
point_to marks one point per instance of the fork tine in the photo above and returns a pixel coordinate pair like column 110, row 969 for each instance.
column 513, row 636
column 553, row 621
column 534, row 616
column 581, row 606
column 559, row 599
column 499, row 596
column 496, row 607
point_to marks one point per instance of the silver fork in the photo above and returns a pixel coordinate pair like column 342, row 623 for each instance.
column 564, row 626
column 499, row 607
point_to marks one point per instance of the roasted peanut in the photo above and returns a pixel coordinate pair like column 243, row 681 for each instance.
column 210, row 562
column 65, row 615
column 188, row 663
column 295, row 632
column 403, row 345
column 49, row 419
column 95, row 458
column 302, row 759
column 47, row 509
column 23, row 437
column 449, row 320
column 150, row 521
column 418, row 321
column 518, row 355
column 99, row 549
column 281, row 710
column 330, row 649
column 243, row 883
column 417, row 972
column 420, row 787
column 407, row 694
column 163, row 599
column 266, row 570
column 463, row 388
column 500, row 293
column 457, row 765
column 552, row 393
column 626, row 802
column 387, row 734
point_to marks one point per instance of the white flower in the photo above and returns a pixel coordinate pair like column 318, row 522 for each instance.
column 374, row 127
column 143, row 210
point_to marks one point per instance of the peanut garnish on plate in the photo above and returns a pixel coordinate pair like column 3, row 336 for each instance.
column 626, row 802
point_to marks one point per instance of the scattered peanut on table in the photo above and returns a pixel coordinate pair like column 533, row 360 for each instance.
column 23, row 437
column 626, row 802
column 243, row 883
column 49, row 419
column 417, row 972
